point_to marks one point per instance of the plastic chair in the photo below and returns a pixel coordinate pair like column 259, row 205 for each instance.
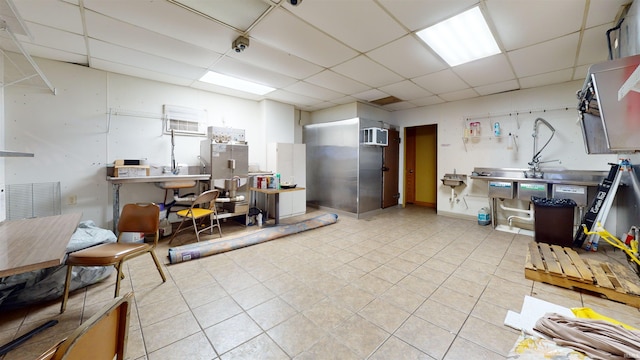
column 196, row 212
column 102, row 337
column 134, row 218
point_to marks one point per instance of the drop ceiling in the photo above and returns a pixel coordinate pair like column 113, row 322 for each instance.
column 321, row 53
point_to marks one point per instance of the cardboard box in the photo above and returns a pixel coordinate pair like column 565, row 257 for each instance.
column 128, row 171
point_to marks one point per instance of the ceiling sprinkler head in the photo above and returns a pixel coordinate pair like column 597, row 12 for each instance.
column 240, row 44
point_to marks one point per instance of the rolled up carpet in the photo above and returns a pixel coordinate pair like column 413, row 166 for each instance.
column 211, row 247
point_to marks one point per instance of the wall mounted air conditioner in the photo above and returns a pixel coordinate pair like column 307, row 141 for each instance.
column 375, row 136
column 185, row 121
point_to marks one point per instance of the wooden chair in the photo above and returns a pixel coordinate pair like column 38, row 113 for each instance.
column 134, row 218
column 102, row 337
column 203, row 206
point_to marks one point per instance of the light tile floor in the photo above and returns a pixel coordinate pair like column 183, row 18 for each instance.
column 403, row 284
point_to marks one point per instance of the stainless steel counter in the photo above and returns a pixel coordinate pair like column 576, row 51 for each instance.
column 157, row 179
column 568, row 177
column 116, row 182
column 510, row 183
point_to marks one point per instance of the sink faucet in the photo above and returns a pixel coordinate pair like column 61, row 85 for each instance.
column 204, row 165
column 534, row 164
column 175, row 170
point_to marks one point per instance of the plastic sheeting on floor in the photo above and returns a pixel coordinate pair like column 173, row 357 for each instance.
column 48, row 284
column 211, row 247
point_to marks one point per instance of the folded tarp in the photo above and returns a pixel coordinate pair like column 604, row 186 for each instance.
column 48, row 284
column 211, row 247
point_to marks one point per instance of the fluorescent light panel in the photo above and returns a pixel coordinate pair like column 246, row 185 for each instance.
column 462, row 38
column 235, row 83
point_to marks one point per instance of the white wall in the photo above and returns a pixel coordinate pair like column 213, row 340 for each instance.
column 567, row 146
column 74, row 138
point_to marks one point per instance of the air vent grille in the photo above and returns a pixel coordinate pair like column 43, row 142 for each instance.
column 184, row 120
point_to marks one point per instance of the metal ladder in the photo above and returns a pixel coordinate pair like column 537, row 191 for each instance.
column 599, row 209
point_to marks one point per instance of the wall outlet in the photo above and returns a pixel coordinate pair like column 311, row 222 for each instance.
column 72, row 200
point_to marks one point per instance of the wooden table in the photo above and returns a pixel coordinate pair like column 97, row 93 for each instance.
column 37, row 243
column 276, row 193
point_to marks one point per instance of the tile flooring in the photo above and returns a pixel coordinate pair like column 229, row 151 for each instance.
column 403, row 284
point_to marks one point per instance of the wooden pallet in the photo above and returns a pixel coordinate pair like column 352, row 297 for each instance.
column 562, row 266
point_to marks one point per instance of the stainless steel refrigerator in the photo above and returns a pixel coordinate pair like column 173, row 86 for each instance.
column 228, row 165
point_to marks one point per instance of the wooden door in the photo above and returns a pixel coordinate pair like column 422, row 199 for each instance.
column 390, row 169
column 410, row 166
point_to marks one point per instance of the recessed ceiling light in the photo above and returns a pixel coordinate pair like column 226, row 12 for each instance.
column 235, row 83
column 462, row 38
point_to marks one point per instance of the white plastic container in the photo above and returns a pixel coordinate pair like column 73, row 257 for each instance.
column 132, row 237
column 484, row 216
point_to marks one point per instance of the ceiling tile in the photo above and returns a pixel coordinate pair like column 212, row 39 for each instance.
column 54, row 38
column 459, row 95
column 360, row 24
column 371, row 73
column 408, row 57
column 55, row 54
column 550, row 78
column 118, row 68
column 67, row 16
column 289, row 97
column 315, row 50
column 274, row 59
column 330, row 79
column 531, row 19
column 594, row 47
column 305, row 42
column 497, row 87
column 344, row 100
column 313, row 91
column 430, row 100
column 242, row 70
column 226, row 91
column 558, row 54
column 370, row 95
column 493, row 69
column 168, row 19
column 604, row 12
column 133, row 58
column 238, row 14
column 419, row 14
column 402, row 105
column 116, row 32
column 405, row 90
column 441, row 82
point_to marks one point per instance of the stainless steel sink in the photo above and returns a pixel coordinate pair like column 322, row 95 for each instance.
column 454, row 180
column 176, row 184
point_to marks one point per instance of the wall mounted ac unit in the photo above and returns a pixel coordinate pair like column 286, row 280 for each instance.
column 375, row 136
column 184, row 120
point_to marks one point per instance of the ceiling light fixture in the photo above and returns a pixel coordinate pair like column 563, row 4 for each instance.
column 235, row 83
column 462, row 38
